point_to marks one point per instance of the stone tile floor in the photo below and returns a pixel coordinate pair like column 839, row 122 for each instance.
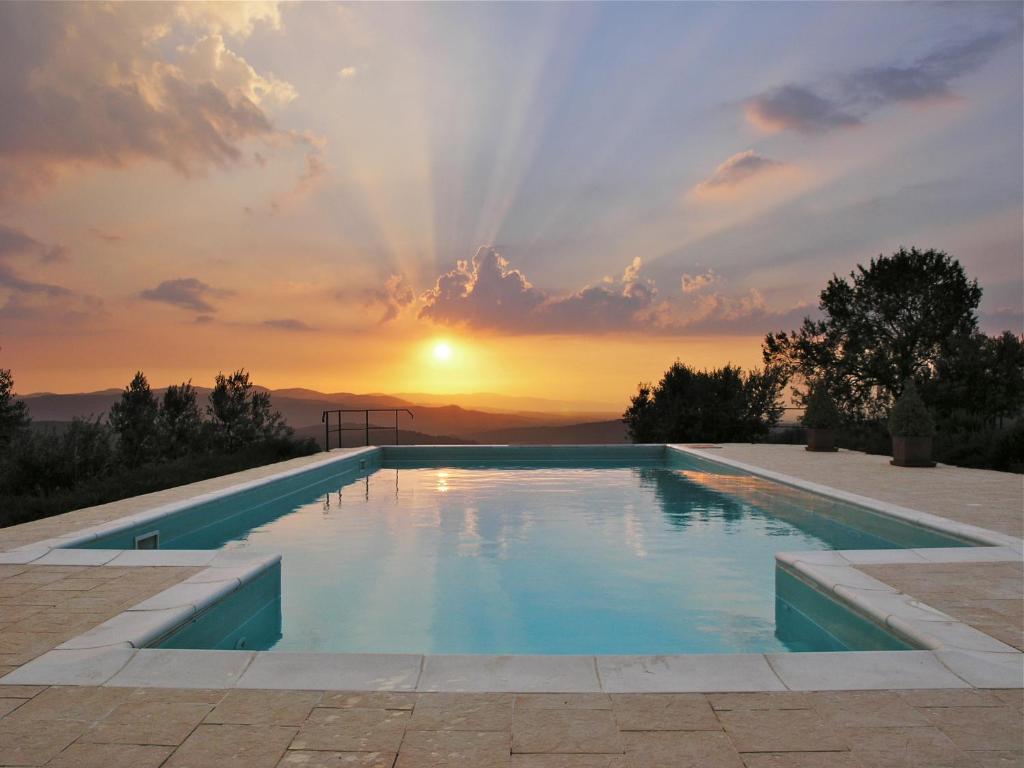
column 150, row 727
column 993, row 500
column 42, row 606
column 987, row 596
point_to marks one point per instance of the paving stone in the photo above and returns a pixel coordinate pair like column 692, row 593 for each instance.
column 352, row 730
column 569, row 761
column 250, row 707
column 664, row 712
column 1013, row 759
column 70, row 703
column 21, row 691
column 9, row 705
column 966, row 697
column 1012, row 696
column 36, row 742
column 680, row 749
column 789, row 730
column 528, row 701
column 470, row 716
column 233, row 746
column 979, row 728
column 800, row 760
column 567, row 730
column 150, row 722
column 369, row 700
column 775, row 700
column 303, row 759
column 111, row 756
column 868, row 709
column 445, row 749
column 917, row 747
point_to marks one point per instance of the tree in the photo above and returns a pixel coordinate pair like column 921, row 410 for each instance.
column 14, row 418
column 179, row 422
column 979, row 378
column 241, row 415
column 892, row 321
column 720, row 405
column 133, row 419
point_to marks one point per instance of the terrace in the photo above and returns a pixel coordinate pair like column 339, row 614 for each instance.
column 955, row 701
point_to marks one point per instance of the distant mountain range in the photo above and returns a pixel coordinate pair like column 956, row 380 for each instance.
column 528, row 420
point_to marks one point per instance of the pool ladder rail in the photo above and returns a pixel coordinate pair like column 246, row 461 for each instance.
column 325, row 419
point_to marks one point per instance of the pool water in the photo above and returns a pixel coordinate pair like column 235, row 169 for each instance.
column 652, row 556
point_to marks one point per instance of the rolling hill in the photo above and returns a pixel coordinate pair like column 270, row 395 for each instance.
column 443, row 424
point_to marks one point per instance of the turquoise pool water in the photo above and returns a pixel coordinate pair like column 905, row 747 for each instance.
column 641, row 553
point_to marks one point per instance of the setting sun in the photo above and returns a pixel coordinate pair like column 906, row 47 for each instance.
column 442, row 351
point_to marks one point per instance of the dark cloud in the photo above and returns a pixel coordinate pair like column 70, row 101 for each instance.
column 187, row 293
column 848, row 99
column 33, row 303
column 14, row 242
column 798, row 108
column 738, row 169
column 288, row 324
column 15, row 245
column 101, row 234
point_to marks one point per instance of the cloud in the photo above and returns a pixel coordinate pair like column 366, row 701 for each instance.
column 737, row 169
column 347, row 72
column 487, row 293
column 288, row 324
column 14, row 243
column 484, row 293
column 102, row 234
column 186, row 293
column 394, row 296
column 209, row 60
column 796, row 107
column 95, row 84
column 694, row 283
column 36, row 301
column 848, row 99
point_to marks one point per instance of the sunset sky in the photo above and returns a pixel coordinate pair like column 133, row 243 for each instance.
column 568, row 196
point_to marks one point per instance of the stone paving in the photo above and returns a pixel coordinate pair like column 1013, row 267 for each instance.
column 179, row 728
column 993, row 500
column 985, row 595
column 42, row 606
column 107, row 727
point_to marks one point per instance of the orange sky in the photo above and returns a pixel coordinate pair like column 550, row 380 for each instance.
column 572, row 195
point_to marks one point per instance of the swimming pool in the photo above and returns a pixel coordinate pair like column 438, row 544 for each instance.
column 570, row 550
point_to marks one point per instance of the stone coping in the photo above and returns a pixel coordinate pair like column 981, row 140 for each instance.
column 115, row 653
column 972, row 533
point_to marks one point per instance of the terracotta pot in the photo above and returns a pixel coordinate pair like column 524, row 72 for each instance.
column 912, row 451
column 821, row 439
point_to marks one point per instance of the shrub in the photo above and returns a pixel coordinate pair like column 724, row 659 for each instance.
column 722, row 405
column 909, row 417
column 820, row 410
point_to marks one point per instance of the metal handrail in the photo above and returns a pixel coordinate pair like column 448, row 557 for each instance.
column 326, row 421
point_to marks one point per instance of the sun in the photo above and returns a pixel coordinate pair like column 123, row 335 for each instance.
column 442, row 351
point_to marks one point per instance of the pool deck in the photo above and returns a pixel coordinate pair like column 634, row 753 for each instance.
column 975, row 722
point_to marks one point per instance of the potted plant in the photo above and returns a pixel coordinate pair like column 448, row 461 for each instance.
column 911, row 427
column 821, row 418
